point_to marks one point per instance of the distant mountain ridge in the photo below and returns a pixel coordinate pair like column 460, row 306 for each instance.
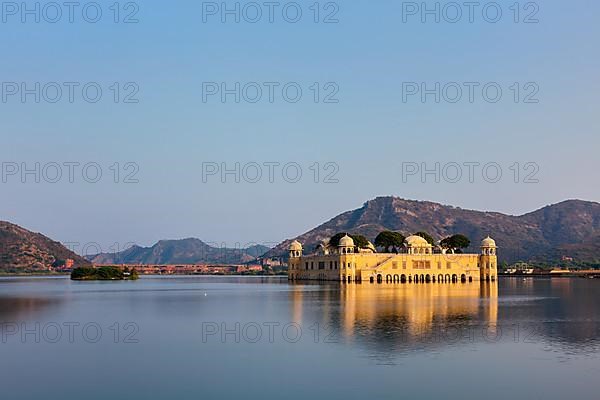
column 570, row 229
column 25, row 251
column 183, row 251
column 567, row 229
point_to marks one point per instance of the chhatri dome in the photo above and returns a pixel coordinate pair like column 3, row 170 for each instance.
column 346, row 241
column 488, row 242
column 416, row 241
column 295, row 246
column 417, row 245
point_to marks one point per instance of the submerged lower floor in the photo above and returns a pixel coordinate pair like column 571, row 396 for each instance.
column 396, row 278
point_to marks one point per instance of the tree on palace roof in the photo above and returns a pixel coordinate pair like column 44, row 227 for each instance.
column 387, row 239
column 455, row 243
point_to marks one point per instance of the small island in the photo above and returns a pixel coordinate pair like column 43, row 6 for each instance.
column 107, row 273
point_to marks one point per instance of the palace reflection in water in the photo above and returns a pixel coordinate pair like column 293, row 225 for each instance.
column 398, row 315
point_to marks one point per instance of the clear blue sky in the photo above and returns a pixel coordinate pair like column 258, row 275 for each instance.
column 369, row 133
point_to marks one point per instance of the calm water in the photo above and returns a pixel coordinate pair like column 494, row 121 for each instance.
column 228, row 337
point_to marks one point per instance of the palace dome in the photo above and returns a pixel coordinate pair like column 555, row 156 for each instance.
column 488, row 242
column 346, row 241
column 295, row 246
column 416, row 241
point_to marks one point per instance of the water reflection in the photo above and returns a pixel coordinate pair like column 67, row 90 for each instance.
column 400, row 318
column 387, row 320
column 22, row 308
column 561, row 312
column 418, row 307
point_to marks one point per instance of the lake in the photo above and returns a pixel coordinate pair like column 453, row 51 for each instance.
column 261, row 337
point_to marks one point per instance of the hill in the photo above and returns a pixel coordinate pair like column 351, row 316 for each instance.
column 25, row 251
column 570, row 228
column 184, row 251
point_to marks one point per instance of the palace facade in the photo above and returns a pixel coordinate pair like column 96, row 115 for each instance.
column 419, row 263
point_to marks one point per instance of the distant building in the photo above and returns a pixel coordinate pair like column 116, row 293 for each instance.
column 272, row 262
column 418, row 264
column 520, row 268
column 249, row 268
column 62, row 265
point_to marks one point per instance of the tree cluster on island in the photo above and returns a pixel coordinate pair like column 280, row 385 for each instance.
column 108, row 273
column 390, row 241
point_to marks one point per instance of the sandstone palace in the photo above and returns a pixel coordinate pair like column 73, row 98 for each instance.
column 418, row 262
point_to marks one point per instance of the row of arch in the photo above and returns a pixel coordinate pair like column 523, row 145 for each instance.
column 423, row 278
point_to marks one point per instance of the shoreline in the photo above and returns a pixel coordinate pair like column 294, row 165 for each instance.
column 68, row 274
column 500, row 276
